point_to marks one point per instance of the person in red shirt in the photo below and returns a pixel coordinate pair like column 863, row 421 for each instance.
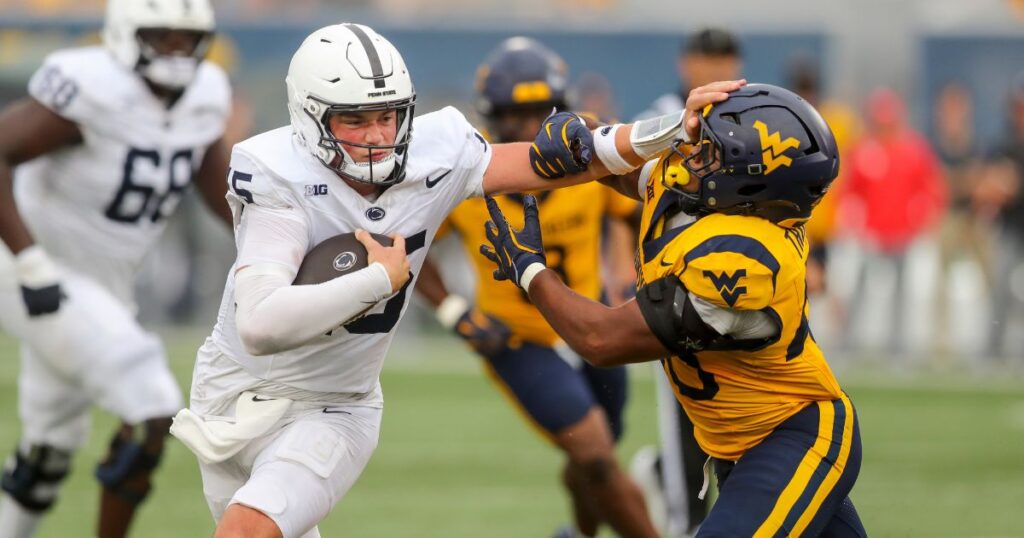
column 894, row 194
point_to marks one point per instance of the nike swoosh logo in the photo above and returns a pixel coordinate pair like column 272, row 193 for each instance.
column 258, row 399
column 666, row 264
column 335, row 411
column 431, row 182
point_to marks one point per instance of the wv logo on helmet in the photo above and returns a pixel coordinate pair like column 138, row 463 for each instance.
column 773, row 148
column 726, row 284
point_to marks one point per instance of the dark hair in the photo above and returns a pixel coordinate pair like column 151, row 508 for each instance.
column 712, row 42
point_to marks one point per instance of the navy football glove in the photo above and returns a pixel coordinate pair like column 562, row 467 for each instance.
column 563, row 146
column 519, row 255
column 487, row 335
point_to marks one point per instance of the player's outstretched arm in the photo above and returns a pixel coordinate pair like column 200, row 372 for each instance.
column 486, row 334
column 603, row 336
column 565, row 152
column 212, row 180
column 28, row 130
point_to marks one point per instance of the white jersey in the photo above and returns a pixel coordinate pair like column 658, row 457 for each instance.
column 447, row 158
column 100, row 205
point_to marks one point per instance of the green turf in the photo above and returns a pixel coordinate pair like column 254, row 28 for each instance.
column 942, row 458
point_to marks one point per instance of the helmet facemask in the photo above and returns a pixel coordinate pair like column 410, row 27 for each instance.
column 700, row 160
column 388, row 170
column 166, row 65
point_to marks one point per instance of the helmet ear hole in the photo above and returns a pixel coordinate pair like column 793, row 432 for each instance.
column 817, row 190
column 735, row 152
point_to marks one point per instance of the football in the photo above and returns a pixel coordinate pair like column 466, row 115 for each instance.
column 334, row 257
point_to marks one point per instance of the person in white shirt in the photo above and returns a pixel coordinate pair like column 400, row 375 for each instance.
column 92, row 164
column 286, row 399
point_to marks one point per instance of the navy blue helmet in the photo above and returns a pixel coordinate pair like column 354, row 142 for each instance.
column 521, row 74
column 765, row 152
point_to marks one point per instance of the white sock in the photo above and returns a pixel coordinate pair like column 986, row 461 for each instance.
column 16, row 521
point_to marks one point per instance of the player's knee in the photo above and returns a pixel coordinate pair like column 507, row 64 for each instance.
column 241, row 521
column 135, row 452
column 32, row 479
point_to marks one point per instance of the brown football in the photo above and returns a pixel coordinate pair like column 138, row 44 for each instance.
column 334, row 257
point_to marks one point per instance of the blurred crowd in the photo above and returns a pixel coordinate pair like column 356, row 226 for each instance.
column 932, row 225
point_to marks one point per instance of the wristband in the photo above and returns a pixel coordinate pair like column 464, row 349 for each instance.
column 450, row 310
column 531, row 271
column 607, row 153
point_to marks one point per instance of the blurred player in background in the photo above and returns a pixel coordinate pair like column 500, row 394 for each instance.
column 286, row 402
column 103, row 148
column 893, row 194
column 573, row 405
column 1000, row 197
column 722, row 304
column 672, row 475
column 708, row 55
column 964, row 235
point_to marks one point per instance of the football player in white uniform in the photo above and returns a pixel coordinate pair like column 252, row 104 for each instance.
column 102, row 150
column 286, row 401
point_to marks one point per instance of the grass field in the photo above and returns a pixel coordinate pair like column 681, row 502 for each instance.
column 944, row 457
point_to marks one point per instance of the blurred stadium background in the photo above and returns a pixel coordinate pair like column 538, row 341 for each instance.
column 941, row 403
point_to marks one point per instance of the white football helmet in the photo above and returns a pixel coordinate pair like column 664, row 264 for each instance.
column 350, row 68
column 121, row 36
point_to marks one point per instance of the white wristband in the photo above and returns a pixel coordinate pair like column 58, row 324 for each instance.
column 450, row 310
column 34, row 268
column 530, row 272
column 607, row 153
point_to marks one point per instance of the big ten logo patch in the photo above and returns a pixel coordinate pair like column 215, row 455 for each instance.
column 316, row 190
column 728, row 284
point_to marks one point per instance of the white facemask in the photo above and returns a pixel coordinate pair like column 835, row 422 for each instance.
column 362, row 170
column 174, row 72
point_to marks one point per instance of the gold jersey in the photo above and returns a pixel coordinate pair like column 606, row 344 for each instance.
column 571, row 221
column 735, row 398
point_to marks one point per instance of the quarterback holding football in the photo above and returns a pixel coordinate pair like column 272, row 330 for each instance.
column 286, row 402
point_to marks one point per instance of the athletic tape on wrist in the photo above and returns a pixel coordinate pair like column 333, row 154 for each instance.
column 531, row 271
column 450, row 310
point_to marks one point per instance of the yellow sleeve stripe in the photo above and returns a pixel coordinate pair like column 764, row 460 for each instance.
column 812, row 482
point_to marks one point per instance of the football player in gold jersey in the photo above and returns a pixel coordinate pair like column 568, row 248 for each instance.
column 722, row 303
column 576, row 407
